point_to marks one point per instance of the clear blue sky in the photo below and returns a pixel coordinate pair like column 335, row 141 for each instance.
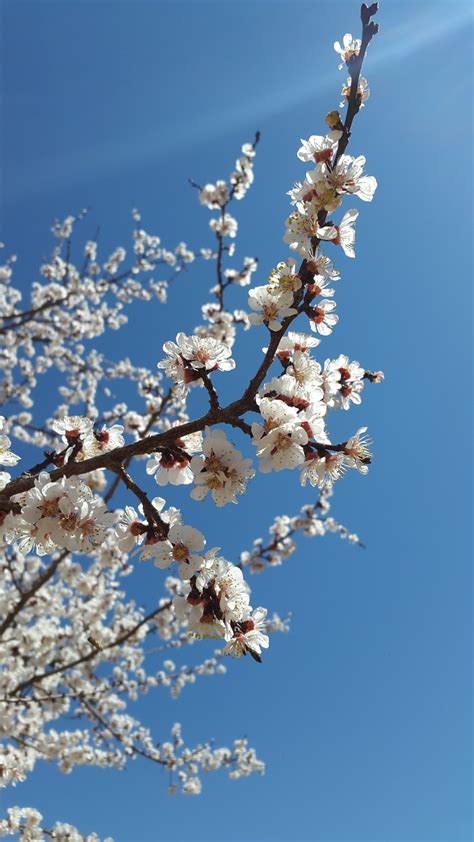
column 363, row 713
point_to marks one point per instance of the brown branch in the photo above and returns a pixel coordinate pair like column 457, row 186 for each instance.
column 37, row 584
column 151, row 513
column 229, row 414
column 210, row 388
column 153, row 417
column 93, row 654
column 354, row 66
column 99, row 718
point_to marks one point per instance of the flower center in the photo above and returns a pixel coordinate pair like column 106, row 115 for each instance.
column 270, row 311
column 283, row 441
column 180, row 552
column 68, row 522
column 50, row 508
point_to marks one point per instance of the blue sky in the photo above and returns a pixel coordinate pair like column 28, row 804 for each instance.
column 363, row 713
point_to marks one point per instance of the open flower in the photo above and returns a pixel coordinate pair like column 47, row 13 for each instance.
column 172, row 465
column 284, row 278
column 319, row 147
column 72, row 427
column 130, row 530
column 350, row 47
column 6, row 456
column 363, row 91
column 225, row 227
column 319, row 264
column 303, row 225
column 357, row 451
column 221, row 470
column 279, row 441
column 249, row 636
column 273, row 308
column 191, row 355
column 322, row 319
column 322, row 470
column 343, row 382
column 345, row 233
column 102, row 441
column 182, row 545
column 346, row 177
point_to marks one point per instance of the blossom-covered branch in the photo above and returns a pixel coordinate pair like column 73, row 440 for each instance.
column 71, row 642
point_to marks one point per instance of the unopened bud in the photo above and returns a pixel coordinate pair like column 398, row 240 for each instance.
column 375, row 376
column 333, row 120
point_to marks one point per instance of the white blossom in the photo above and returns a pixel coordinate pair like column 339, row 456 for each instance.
column 279, row 441
column 357, row 451
column 271, row 309
column 191, row 355
column 221, row 470
column 350, row 47
column 322, row 319
column 345, row 233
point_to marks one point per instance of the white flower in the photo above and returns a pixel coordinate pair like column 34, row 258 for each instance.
column 320, row 286
column 322, row 319
column 284, row 278
column 173, row 466
column 232, row 592
column 214, row 600
column 214, row 195
column 302, row 226
column 363, row 91
column 226, row 227
column 322, row 265
column 221, row 470
column 63, row 513
column 102, row 441
column 319, row 148
column 294, row 341
column 6, row 456
column 345, row 233
column 273, row 308
column 350, row 47
column 343, row 382
column 357, row 451
column 307, row 372
column 130, row 530
column 249, row 636
column 72, row 427
column 182, row 544
column 316, row 189
column 192, row 786
column 193, row 354
column 346, row 177
column 319, row 470
column 280, row 440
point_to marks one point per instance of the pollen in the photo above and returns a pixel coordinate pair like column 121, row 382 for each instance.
column 180, row 552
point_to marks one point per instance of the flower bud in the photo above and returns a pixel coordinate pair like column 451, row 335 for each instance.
column 333, row 120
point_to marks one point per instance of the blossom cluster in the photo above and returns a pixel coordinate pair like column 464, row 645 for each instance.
column 73, row 646
column 65, row 514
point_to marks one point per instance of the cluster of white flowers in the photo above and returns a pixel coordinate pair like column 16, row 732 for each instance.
column 78, row 301
column 29, row 823
column 216, row 603
column 6, row 455
column 191, row 356
column 221, row 470
column 63, row 514
column 72, row 645
column 313, row 521
column 77, row 434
